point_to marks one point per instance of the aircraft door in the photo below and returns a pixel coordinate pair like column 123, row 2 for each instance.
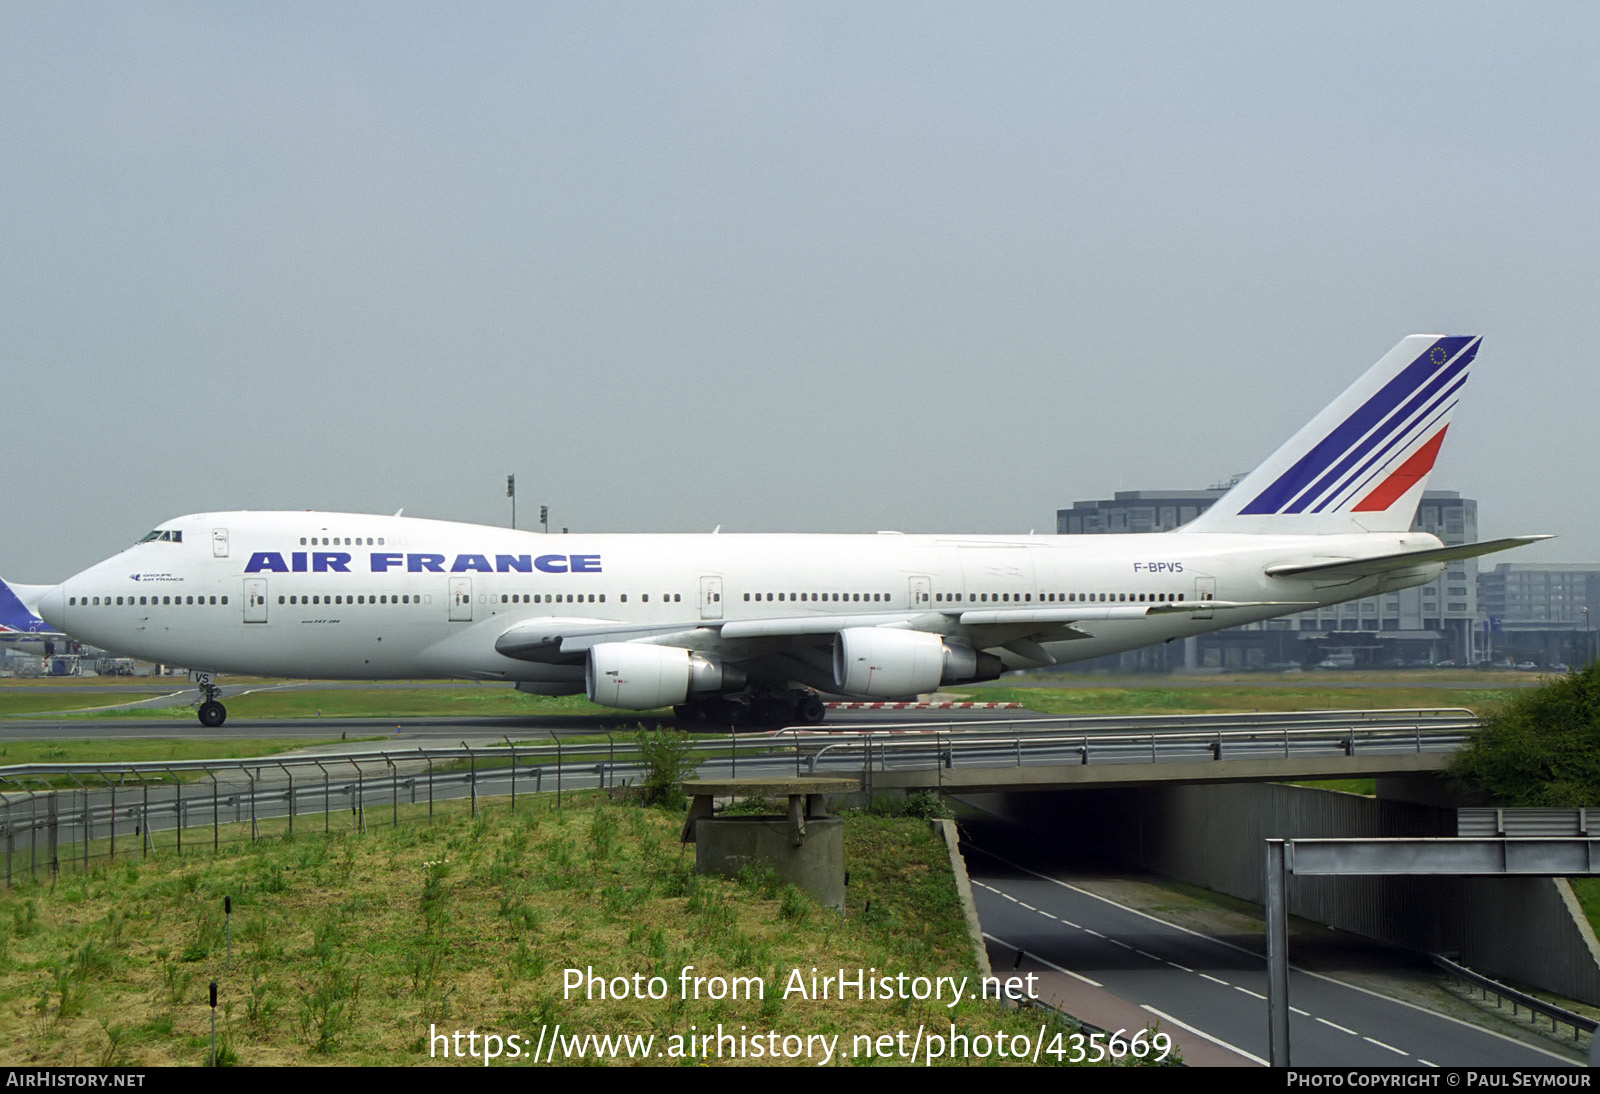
column 921, row 594
column 219, row 543
column 461, row 600
column 255, row 600
column 1205, row 588
column 710, row 597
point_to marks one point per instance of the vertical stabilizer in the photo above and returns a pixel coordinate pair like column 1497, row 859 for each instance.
column 18, row 604
column 1361, row 464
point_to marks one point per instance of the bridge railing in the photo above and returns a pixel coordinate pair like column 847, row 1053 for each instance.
column 54, row 814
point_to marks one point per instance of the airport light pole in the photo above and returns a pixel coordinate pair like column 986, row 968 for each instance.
column 511, row 492
column 1588, row 639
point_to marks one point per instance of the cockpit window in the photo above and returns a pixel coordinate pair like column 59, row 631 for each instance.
column 167, row 535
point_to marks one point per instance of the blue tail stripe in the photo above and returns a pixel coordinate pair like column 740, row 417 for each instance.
column 14, row 615
column 1361, row 489
column 1293, row 481
column 1393, row 424
column 1417, row 424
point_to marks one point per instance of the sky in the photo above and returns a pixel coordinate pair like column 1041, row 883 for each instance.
column 935, row 267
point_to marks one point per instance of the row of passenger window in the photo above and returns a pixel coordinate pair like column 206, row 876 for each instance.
column 976, row 598
column 155, row 601
column 335, row 541
column 351, row 600
column 1058, row 598
column 581, row 598
column 875, row 598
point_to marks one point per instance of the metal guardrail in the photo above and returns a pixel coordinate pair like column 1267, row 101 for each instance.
column 1531, row 1004
column 1040, row 748
column 46, row 824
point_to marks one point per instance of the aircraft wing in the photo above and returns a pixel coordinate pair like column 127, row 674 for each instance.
column 1366, row 567
column 566, row 640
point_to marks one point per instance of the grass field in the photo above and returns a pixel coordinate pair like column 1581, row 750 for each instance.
column 1225, row 696
column 144, row 751
column 1157, row 695
column 349, row 949
column 276, row 701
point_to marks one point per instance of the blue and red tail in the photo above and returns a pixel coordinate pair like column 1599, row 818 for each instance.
column 1361, row 464
column 16, row 609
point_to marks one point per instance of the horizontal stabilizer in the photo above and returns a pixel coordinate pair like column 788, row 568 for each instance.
column 1089, row 613
column 1365, row 567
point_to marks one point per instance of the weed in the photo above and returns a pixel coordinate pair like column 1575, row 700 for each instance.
column 25, row 919
column 763, row 881
column 603, row 832
column 753, row 806
column 111, row 1055
column 260, row 1005
column 669, row 759
column 90, row 961
column 795, row 905
column 325, row 1009
column 177, row 980
column 528, row 963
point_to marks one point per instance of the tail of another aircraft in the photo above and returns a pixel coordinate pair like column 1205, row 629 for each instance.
column 17, row 608
column 1361, row 464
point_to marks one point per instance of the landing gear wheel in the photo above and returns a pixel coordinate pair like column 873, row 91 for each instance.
column 768, row 713
column 810, row 709
column 723, row 712
column 212, row 714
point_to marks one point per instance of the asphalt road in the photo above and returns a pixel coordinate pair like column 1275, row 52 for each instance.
column 1118, row 965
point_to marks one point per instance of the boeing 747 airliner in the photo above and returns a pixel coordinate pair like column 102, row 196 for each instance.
column 754, row 627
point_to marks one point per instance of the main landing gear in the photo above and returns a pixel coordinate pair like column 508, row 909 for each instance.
column 212, row 713
column 792, row 706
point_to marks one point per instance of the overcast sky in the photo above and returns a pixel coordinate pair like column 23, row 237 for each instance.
column 778, row 267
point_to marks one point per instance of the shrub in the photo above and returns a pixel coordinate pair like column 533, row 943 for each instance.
column 669, row 759
column 1542, row 748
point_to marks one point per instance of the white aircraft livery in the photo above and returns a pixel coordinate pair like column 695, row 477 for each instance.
column 754, row 627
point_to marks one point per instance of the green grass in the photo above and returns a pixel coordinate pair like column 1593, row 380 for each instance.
column 34, row 701
column 1365, row 787
column 145, row 751
column 1231, row 698
column 279, row 702
column 347, row 949
column 1587, row 890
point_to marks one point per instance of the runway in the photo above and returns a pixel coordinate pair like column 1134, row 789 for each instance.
column 432, row 729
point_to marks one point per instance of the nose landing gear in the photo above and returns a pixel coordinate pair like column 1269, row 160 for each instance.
column 212, row 713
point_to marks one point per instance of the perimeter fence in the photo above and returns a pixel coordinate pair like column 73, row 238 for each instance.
column 54, row 816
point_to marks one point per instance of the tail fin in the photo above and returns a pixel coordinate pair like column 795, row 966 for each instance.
column 18, row 608
column 1361, row 464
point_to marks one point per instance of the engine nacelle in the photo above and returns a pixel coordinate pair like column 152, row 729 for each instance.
column 889, row 663
column 636, row 676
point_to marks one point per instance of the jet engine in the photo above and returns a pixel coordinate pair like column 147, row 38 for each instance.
column 891, row 663
column 635, row 676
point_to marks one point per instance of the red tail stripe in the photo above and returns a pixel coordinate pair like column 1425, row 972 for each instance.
column 1407, row 476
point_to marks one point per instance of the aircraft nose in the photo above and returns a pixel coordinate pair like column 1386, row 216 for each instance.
column 52, row 608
